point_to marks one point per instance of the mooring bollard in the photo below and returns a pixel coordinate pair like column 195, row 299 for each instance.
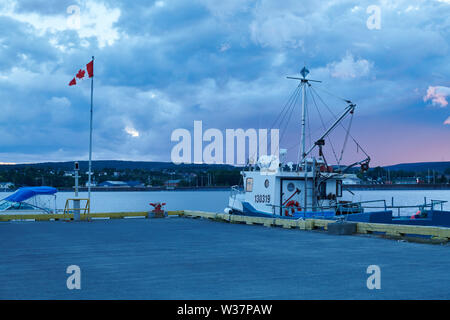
column 158, row 211
column 342, row 228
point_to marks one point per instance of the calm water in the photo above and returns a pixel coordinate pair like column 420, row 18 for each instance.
column 216, row 201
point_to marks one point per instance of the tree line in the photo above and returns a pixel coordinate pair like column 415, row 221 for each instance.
column 29, row 176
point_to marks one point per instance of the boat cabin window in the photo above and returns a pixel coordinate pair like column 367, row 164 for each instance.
column 323, row 190
column 21, row 206
column 249, row 185
column 290, row 187
column 338, row 188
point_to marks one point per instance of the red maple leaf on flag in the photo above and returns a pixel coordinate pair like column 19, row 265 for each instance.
column 80, row 74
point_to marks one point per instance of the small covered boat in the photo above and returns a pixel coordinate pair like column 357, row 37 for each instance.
column 25, row 201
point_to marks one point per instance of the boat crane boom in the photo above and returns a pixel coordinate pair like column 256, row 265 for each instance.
column 348, row 110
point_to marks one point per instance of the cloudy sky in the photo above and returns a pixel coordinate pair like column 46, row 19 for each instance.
column 160, row 65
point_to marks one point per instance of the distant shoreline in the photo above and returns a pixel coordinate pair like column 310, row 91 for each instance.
column 147, row 189
column 436, row 186
column 363, row 187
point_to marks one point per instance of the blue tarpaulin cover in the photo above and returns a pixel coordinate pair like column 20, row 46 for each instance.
column 28, row 192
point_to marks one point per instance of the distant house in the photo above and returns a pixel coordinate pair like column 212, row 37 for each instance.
column 69, row 173
column 125, row 184
column 351, row 179
column 6, row 185
column 93, row 184
column 410, row 180
column 113, row 184
column 172, row 183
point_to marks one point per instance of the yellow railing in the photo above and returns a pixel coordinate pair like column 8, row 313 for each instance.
column 86, row 210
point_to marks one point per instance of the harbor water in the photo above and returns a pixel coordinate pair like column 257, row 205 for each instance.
column 216, row 201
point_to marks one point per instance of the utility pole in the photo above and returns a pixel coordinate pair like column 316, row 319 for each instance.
column 90, row 137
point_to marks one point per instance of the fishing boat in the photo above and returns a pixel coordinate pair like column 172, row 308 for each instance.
column 25, row 201
column 311, row 187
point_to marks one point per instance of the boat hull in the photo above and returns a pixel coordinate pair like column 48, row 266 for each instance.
column 432, row 218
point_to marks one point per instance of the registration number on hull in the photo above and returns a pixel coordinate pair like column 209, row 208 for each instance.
column 262, row 198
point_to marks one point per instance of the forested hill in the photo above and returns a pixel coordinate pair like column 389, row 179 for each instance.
column 158, row 166
column 421, row 166
column 115, row 164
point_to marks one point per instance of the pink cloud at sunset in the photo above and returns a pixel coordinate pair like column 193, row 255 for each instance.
column 447, row 121
column 389, row 141
column 437, row 95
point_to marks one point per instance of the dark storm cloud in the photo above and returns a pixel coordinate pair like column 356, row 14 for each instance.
column 160, row 65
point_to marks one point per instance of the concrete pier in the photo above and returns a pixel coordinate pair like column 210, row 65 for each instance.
column 180, row 258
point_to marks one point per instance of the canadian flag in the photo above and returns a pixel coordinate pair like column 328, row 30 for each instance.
column 81, row 74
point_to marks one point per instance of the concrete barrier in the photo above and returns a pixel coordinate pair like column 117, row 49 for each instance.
column 436, row 233
column 60, row 216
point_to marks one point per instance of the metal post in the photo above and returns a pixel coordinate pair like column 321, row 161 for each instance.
column 90, row 135
column 314, row 191
column 76, row 203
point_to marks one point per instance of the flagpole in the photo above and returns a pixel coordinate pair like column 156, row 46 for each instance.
column 90, row 137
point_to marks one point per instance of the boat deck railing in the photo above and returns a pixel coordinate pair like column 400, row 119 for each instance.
column 361, row 206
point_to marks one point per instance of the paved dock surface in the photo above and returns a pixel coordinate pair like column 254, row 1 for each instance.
column 180, row 258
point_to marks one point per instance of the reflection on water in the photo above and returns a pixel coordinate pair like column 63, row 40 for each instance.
column 216, row 201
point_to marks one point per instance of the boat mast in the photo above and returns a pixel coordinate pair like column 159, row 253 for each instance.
column 303, row 136
column 304, row 82
column 304, row 72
